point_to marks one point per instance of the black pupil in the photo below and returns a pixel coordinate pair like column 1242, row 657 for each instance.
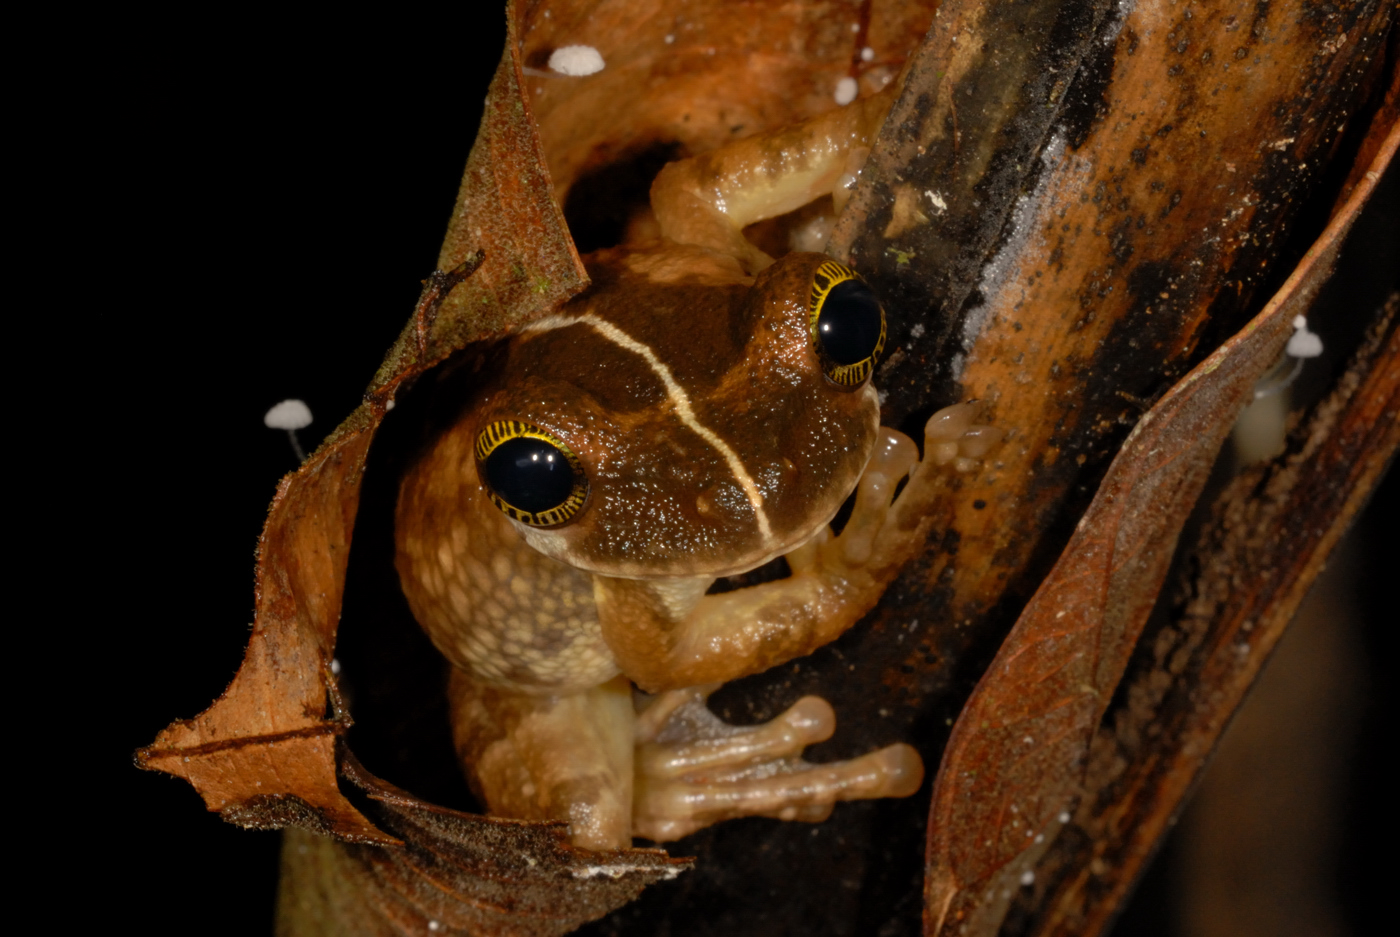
column 529, row 474
column 849, row 323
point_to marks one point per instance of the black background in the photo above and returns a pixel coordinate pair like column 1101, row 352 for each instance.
column 255, row 200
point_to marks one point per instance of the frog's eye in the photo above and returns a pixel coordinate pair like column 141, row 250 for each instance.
column 848, row 325
column 530, row 474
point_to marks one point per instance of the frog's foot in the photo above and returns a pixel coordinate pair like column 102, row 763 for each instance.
column 693, row 770
column 883, row 530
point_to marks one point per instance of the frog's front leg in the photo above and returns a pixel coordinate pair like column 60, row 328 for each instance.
column 669, row 635
column 550, row 756
column 694, row 770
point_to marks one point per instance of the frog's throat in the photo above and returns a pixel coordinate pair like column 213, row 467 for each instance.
column 679, row 399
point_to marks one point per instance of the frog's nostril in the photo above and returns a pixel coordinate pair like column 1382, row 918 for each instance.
column 723, row 501
column 705, row 505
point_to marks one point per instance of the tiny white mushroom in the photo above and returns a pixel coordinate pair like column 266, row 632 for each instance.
column 1302, row 343
column 576, row 60
column 846, row 90
column 290, row 415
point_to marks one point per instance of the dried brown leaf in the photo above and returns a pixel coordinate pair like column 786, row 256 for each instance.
column 1083, row 261
column 1021, row 744
column 456, row 874
column 1269, row 535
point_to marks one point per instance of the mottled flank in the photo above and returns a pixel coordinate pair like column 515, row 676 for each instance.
column 494, row 606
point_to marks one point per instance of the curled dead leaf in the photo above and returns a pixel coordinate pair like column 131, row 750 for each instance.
column 455, row 873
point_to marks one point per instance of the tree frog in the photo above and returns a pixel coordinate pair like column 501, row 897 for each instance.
column 697, row 412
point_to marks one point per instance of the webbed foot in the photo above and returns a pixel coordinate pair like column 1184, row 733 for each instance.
column 883, row 530
column 694, row 770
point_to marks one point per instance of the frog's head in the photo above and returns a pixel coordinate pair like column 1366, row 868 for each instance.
column 682, row 419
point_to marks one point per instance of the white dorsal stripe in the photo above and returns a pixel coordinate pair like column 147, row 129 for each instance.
column 678, row 397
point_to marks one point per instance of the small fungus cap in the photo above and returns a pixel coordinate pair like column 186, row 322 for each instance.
column 289, row 414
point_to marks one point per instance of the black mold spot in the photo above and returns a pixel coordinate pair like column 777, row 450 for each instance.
column 1120, row 241
column 1148, row 281
column 1175, row 201
column 1256, row 23
column 1087, row 103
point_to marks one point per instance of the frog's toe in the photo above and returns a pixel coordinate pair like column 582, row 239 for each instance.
column 952, row 436
column 979, row 440
column 950, row 423
column 702, row 744
column 895, row 453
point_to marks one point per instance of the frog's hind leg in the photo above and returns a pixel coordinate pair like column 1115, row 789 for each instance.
column 550, row 757
column 707, row 200
column 694, row 770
